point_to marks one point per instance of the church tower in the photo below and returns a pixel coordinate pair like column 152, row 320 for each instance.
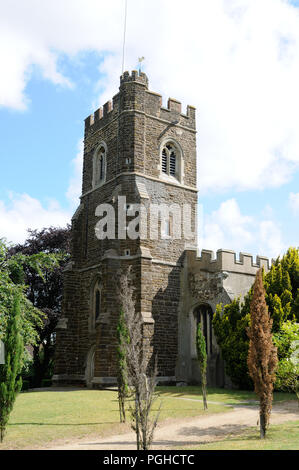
column 136, row 152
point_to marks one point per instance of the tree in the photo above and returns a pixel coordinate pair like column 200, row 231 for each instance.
column 142, row 381
column 122, row 373
column 287, row 343
column 10, row 382
column 202, row 359
column 262, row 354
column 287, row 376
column 44, row 291
column 12, row 283
column 230, row 327
column 231, row 322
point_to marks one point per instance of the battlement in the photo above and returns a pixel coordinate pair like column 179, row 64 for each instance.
column 142, row 100
column 226, row 260
column 139, row 77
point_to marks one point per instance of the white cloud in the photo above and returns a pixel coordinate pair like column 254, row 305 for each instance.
column 25, row 212
column 236, row 60
column 294, row 202
column 228, row 228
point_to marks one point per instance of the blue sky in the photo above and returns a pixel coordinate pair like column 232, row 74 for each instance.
column 237, row 61
column 47, row 132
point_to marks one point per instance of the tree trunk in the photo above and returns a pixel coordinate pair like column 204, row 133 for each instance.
column 204, row 387
column 204, row 394
column 262, row 426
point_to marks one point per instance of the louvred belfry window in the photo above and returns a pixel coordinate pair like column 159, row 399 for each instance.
column 169, row 160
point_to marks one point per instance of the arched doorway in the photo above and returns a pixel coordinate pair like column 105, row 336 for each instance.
column 89, row 371
column 203, row 316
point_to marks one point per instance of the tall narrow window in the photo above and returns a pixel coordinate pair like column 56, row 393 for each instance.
column 97, row 304
column 99, row 166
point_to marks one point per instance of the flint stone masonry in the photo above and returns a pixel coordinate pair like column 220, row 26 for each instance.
column 171, row 281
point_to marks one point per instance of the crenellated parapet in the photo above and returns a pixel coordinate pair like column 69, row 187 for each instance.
column 135, row 76
column 134, row 95
column 226, row 260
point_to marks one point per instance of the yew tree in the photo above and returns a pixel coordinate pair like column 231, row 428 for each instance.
column 262, row 355
column 230, row 322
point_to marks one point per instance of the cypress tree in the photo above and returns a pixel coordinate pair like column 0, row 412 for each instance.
column 10, row 382
column 262, row 355
column 202, row 359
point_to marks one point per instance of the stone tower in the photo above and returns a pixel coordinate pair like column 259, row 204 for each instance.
column 135, row 152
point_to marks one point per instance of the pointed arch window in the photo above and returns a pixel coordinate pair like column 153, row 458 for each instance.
column 99, row 165
column 171, row 160
column 96, row 304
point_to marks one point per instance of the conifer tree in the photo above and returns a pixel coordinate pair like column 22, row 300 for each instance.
column 202, row 359
column 10, row 382
column 230, row 322
column 262, row 355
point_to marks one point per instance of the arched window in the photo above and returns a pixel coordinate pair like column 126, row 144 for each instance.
column 99, row 165
column 171, row 160
column 96, row 304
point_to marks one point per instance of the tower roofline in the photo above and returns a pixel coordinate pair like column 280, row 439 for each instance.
column 112, row 108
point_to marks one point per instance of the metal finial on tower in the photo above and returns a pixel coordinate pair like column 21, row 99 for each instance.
column 124, row 38
column 140, row 59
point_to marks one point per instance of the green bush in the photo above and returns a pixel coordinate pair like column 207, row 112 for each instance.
column 231, row 322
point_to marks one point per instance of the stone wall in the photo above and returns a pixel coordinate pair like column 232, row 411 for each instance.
column 207, row 281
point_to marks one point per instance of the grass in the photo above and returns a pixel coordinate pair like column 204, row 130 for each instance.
column 279, row 437
column 41, row 418
column 220, row 395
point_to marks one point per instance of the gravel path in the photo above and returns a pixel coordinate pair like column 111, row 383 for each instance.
column 191, row 431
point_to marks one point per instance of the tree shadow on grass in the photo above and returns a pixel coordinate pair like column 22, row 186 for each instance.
column 62, row 424
column 223, row 430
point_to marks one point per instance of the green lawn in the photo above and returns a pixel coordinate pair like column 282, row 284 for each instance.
column 221, row 395
column 280, row 437
column 41, row 418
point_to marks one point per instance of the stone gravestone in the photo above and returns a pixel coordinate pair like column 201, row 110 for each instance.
column 2, row 352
